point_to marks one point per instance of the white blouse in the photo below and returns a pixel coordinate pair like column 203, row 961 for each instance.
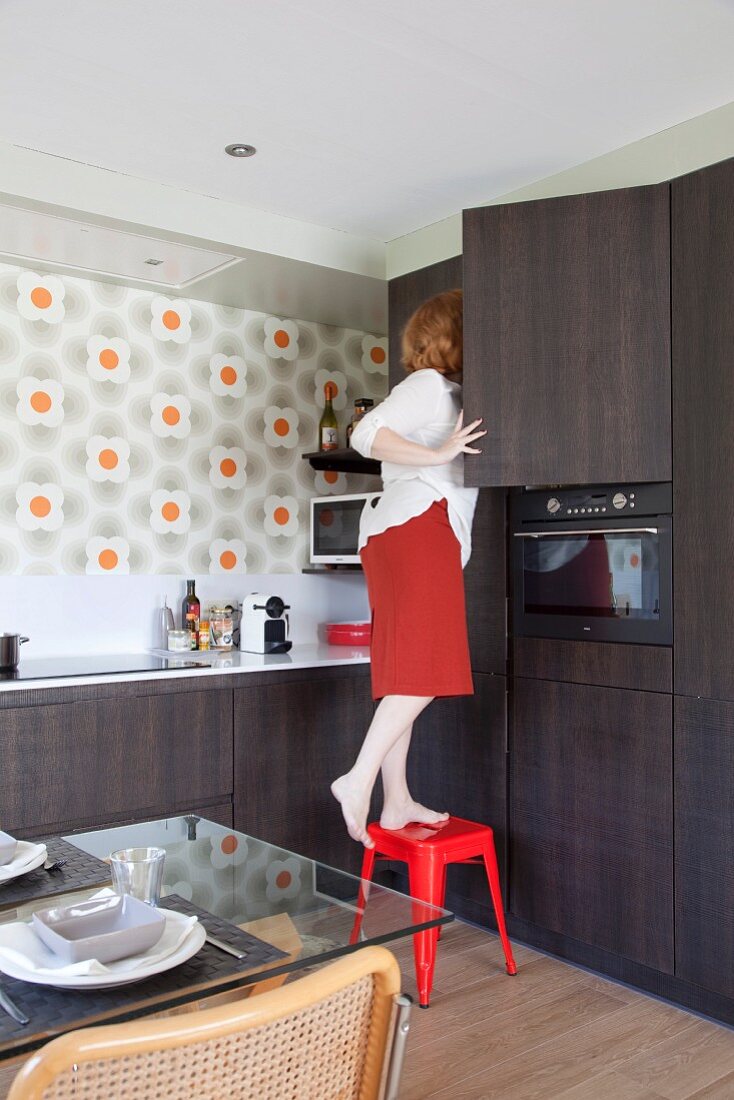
column 423, row 408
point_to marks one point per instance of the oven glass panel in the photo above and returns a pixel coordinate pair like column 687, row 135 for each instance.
column 607, row 575
column 336, row 527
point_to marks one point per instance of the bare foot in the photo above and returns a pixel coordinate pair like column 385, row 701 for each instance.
column 355, row 807
column 411, row 813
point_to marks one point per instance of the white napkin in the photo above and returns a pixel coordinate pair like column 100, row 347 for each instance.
column 25, row 854
column 19, row 944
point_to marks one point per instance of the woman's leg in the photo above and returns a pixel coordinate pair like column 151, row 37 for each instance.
column 393, row 717
column 398, row 808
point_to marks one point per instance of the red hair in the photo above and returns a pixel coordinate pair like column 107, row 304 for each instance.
column 433, row 337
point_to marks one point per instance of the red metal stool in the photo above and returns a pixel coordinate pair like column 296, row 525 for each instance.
column 428, row 852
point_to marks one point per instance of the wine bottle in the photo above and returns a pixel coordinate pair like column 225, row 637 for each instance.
column 328, row 428
column 191, row 614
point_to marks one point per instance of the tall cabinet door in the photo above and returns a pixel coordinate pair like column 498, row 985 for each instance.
column 457, row 763
column 591, row 816
column 567, row 338
column 704, row 843
column 703, row 415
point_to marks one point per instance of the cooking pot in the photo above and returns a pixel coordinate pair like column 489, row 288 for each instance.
column 10, row 650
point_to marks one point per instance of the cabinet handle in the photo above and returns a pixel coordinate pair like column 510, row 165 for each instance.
column 587, row 531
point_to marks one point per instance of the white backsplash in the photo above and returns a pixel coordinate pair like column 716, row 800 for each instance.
column 67, row 615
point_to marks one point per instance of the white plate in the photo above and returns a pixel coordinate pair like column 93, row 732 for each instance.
column 188, row 947
column 23, row 861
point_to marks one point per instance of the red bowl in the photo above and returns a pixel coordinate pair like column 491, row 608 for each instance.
column 348, row 633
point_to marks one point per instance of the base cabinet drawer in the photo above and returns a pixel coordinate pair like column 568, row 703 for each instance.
column 591, row 816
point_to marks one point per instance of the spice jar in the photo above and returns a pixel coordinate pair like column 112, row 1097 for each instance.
column 204, row 634
column 362, row 405
column 221, row 626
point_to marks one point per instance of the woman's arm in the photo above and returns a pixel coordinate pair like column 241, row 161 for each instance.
column 382, row 433
column 388, row 446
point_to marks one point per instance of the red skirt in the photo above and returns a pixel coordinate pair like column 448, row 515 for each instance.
column 415, row 585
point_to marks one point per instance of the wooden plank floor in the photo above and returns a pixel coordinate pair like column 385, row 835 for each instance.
column 553, row 1032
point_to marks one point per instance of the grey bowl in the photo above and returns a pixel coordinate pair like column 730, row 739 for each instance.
column 8, row 844
column 104, row 928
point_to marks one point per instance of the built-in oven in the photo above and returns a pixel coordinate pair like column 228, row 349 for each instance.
column 593, row 563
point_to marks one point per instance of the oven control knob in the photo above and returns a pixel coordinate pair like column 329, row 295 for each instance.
column 553, row 505
column 619, row 500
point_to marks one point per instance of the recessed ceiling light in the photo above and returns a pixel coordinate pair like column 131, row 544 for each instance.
column 240, row 150
column 153, row 263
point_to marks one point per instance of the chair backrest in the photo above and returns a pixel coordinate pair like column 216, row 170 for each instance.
column 327, row 1035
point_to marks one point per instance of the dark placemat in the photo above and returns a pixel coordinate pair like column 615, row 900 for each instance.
column 80, row 872
column 52, row 1011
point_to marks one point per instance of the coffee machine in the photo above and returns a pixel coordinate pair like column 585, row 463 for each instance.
column 264, row 626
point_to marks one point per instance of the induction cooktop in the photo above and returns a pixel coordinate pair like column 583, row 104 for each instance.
column 51, row 668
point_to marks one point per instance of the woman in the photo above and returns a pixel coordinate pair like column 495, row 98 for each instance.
column 413, row 547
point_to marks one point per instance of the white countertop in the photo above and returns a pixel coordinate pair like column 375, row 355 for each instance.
column 317, row 655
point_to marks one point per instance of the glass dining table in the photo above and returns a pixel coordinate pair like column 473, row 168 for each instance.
column 267, row 913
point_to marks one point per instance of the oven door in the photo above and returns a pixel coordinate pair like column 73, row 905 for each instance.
column 600, row 581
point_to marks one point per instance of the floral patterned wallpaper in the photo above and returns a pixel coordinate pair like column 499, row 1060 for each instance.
column 147, row 434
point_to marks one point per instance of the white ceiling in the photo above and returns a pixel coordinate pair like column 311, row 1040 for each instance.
column 374, row 117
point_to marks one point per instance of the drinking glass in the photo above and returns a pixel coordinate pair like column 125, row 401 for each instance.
column 139, row 872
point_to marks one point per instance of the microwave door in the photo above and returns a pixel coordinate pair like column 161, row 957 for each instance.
column 335, row 531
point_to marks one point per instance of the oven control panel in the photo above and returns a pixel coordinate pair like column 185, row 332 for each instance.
column 595, row 502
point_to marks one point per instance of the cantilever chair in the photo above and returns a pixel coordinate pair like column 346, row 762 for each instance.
column 336, row 1034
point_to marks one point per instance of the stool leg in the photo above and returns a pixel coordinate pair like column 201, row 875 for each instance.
column 490, row 863
column 426, row 879
column 368, row 864
column 442, row 902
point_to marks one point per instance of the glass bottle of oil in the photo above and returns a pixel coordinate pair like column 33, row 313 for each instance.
column 191, row 614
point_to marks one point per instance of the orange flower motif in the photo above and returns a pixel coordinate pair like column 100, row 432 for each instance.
column 108, row 360
column 40, row 401
column 227, row 467
column 170, row 415
column 281, row 427
column 228, row 375
column 169, row 512
column 107, row 555
column 374, row 354
column 281, row 516
column 108, row 458
column 227, row 556
column 39, row 506
column 171, row 319
column 41, row 298
column 281, row 339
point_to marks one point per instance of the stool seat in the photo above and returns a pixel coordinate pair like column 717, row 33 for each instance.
column 445, row 840
column 428, row 851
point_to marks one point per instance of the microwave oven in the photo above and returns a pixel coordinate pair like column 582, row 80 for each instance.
column 335, row 527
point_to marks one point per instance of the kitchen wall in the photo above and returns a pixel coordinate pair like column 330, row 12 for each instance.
column 144, row 439
column 146, row 434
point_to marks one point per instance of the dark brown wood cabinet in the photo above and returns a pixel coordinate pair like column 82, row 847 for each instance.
column 703, row 414
column 291, row 741
column 406, row 293
column 457, row 763
column 591, row 817
column 87, row 763
column 704, row 843
column 567, row 338
column 485, row 585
